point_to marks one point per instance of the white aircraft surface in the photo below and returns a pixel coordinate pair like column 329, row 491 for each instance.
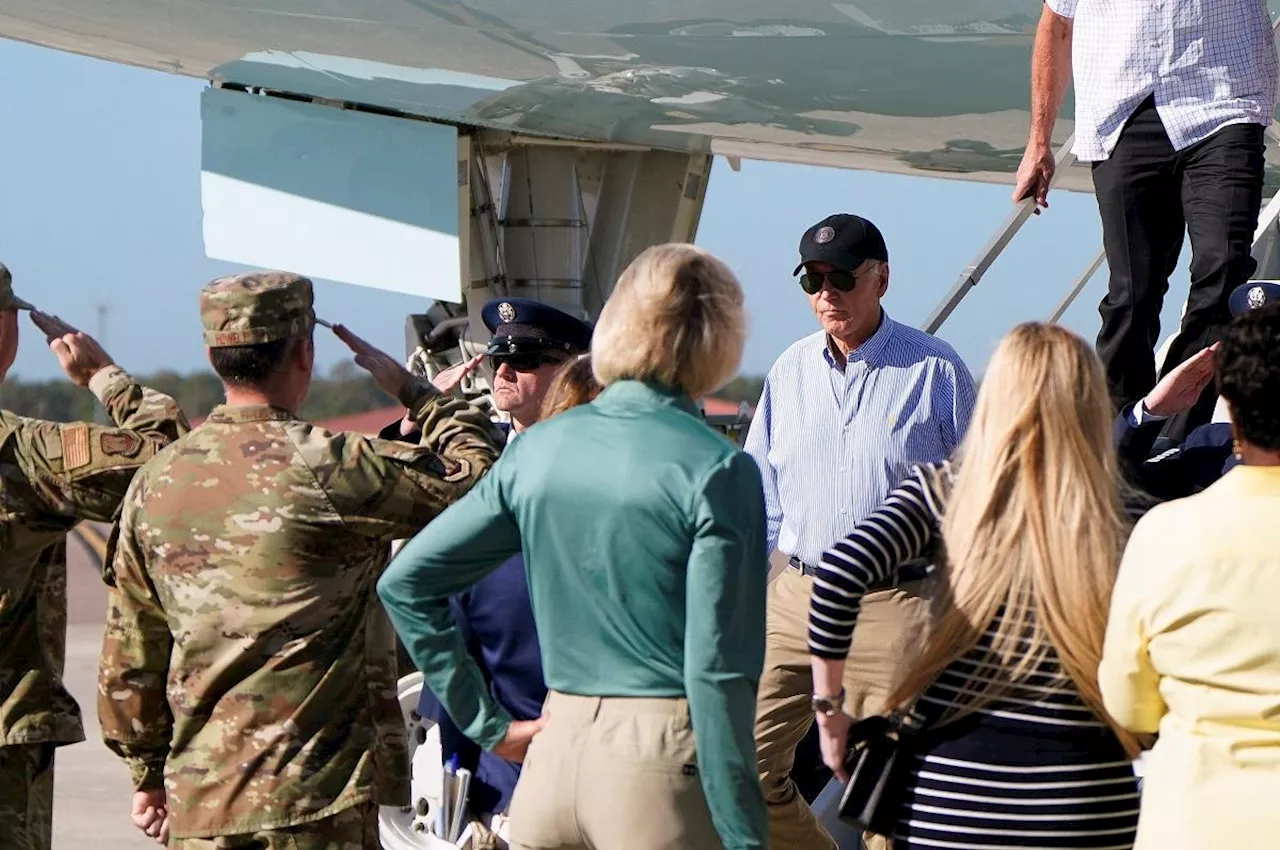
column 466, row 150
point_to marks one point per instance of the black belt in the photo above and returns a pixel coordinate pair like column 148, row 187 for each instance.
column 908, row 572
column 805, row 569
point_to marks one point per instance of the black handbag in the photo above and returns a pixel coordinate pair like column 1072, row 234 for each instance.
column 880, row 750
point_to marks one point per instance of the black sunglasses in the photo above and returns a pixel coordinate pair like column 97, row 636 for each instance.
column 522, row 362
column 811, row 282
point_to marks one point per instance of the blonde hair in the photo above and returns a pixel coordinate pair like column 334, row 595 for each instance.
column 676, row 317
column 573, row 384
column 1033, row 525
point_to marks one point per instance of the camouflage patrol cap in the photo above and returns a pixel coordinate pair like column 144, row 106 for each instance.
column 256, row 307
column 9, row 301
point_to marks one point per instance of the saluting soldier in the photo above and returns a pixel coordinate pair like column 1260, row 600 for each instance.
column 52, row 476
column 530, row 343
column 245, row 573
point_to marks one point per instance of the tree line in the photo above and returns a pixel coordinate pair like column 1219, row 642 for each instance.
column 345, row 389
column 743, row 388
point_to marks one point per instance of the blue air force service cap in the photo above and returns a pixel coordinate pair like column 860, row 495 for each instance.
column 524, row 326
column 1252, row 295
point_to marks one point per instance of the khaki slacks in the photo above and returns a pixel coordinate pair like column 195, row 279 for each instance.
column 26, row 796
column 891, row 628
column 612, row 773
column 355, row 828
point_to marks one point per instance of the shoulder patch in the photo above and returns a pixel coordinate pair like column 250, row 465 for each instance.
column 124, row 443
column 75, row 446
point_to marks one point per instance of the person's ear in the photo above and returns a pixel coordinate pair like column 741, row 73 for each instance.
column 305, row 355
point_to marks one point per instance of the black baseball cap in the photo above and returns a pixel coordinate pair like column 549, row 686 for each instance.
column 845, row 241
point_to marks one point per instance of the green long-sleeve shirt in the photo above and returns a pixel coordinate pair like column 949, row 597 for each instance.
column 643, row 533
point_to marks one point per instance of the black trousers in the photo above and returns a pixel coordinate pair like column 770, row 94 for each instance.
column 1150, row 195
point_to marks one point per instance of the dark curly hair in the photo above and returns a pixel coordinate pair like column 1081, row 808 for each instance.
column 1248, row 376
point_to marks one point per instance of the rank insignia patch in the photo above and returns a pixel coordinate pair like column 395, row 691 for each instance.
column 120, row 443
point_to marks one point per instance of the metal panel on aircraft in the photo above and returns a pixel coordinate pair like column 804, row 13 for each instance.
column 333, row 193
column 922, row 87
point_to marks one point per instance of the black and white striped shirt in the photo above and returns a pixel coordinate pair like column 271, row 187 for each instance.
column 1033, row 768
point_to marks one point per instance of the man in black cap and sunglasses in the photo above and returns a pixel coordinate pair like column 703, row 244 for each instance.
column 844, row 414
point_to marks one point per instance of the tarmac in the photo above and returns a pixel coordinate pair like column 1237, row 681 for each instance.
column 92, row 791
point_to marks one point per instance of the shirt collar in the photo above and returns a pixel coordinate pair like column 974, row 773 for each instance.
column 872, row 351
column 226, row 413
column 644, row 394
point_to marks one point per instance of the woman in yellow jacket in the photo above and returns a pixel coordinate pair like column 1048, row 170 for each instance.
column 1193, row 641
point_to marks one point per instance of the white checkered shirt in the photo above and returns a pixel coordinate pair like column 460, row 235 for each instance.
column 1210, row 63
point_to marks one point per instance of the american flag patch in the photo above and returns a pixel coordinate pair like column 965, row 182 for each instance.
column 75, row 447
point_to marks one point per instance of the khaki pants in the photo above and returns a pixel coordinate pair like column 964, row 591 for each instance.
column 355, row 828
column 611, row 774
column 26, row 797
column 889, row 634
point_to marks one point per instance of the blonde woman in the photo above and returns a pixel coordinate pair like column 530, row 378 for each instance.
column 643, row 534
column 1018, row 751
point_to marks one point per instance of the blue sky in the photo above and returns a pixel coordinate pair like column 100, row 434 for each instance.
column 100, row 181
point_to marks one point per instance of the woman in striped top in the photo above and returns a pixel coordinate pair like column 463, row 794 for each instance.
column 1018, row 751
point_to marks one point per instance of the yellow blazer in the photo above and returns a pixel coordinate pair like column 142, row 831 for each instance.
column 1193, row 652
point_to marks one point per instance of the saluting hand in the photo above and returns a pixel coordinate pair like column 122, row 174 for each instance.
column 78, row 353
column 1179, row 390
column 519, row 735
column 450, row 379
column 387, row 372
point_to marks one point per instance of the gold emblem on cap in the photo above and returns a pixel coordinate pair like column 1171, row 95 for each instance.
column 506, row 312
column 1257, row 297
column 824, row 235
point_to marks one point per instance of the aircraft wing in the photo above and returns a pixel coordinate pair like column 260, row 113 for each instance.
column 909, row 86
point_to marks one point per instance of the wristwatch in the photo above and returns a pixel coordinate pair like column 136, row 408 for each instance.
column 828, row 706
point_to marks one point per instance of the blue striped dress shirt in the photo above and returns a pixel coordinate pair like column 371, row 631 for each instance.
column 831, row 444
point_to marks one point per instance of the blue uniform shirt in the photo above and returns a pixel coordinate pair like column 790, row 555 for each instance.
column 1185, row 469
column 495, row 616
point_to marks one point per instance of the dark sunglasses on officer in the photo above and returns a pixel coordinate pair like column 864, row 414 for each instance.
column 840, row 280
column 525, row 361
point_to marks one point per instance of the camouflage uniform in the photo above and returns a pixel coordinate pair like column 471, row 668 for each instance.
column 355, row 828
column 247, row 663
column 51, row 477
